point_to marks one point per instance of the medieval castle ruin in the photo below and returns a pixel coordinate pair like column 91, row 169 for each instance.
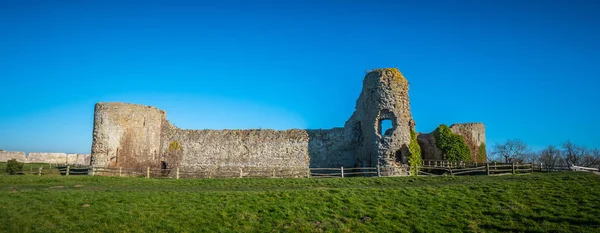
column 136, row 136
column 130, row 135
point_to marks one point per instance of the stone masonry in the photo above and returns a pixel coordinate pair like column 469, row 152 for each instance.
column 53, row 158
column 130, row 135
column 8, row 155
column 473, row 133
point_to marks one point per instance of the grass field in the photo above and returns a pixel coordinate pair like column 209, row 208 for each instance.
column 560, row 202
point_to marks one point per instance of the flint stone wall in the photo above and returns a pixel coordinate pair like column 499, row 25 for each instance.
column 8, row 155
column 54, row 158
column 242, row 148
column 58, row 158
column 261, row 148
column 40, row 157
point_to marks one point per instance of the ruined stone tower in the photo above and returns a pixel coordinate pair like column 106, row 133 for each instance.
column 384, row 97
column 126, row 135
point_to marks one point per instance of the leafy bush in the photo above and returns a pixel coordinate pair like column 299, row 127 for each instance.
column 13, row 166
column 453, row 146
column 415, row 153
column 482, row 154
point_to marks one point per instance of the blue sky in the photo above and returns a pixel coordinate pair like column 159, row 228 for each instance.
column 527, row 69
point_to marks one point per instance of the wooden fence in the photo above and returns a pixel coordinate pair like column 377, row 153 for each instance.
column 474, row 169
column 240, row 172
column 54, row 169
column 434, row 169
column 428, row 168
column 46, row 169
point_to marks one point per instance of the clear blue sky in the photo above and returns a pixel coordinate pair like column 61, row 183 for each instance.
column 527, row 69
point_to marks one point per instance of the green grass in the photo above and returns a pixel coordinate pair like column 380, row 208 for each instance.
column 559, row 202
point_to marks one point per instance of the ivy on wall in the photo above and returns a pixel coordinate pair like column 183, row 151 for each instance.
column 481, row 154
column 452, row 146
column 415, row 153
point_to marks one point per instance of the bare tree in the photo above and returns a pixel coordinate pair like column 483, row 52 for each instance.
column 591, row 158
column 551, row 158
column 574, row 154
column 513, row 150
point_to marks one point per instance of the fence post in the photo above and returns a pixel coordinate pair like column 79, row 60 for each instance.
column 513, row 168
column 531, row 167
column 120, row 171
column 241, row 173
column 68, row 170
column 342, row 169
column 541, row 166
column 417, row 170
column 495, row 166
column 40, row 171
column 177, row 174
column 308, row 172
column 449, row 168
column 487, row 168
column 273, row 172
column 378, row 172
column 148, row 173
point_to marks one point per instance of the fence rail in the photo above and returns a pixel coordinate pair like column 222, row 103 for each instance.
column 473, row 169
column 428, row 168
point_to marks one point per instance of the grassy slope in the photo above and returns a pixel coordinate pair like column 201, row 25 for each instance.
column 538, row 202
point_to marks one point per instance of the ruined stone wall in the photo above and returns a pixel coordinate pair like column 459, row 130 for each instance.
column 53, row 158
column 474, row 135
column 126, row 132
column 429, row 150
column 8, row 155
column 332, row 148
column 242, row 148
column 475, row 131
column 41, row 157
column 127, row 135
column 79, row 159
column 258, row 148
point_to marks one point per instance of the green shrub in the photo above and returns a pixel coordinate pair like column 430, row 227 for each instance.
column 453, row 146
column 415, row 153
column 13, row 166
column 482, row 154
